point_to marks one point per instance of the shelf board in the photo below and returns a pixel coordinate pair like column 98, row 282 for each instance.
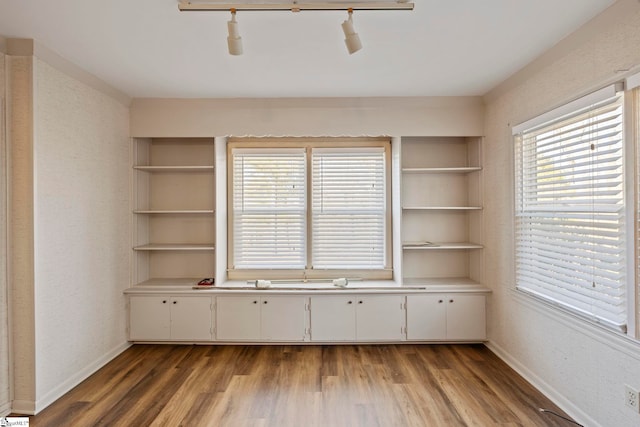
column 457, row 282
column 174, row 212
column 174, row 168
column 175, row 247
column 441, row 246
column 186, row 282
column 442, row 208
column 462, row 169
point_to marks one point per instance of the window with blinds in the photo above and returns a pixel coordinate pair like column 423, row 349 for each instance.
column 348, row 208
column 570, row 208
column 309, row 209
column 269, row 208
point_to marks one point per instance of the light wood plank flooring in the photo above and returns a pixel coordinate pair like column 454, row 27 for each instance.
column 324, row 386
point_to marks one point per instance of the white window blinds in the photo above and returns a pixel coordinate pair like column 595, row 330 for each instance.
column 348, row 208
column 570, row 211
column 269, row 208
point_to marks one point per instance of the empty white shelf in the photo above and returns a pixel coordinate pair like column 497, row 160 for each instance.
column 442, row 208
column 175, row 247
column 441, row 246
column 462, row 169
column 174, row 211
column 174, row 168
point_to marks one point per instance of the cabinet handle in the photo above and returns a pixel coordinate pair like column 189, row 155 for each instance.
column 164, row 301
column 264, row 302
column 450, row 300
column 255, row 302
column 175, row 302
column 350, row 302
column 440, row 301
column 359, row 302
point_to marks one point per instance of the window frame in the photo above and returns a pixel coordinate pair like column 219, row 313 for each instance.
column 309, row 273
column 632, row 127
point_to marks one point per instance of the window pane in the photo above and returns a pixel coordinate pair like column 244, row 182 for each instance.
column 348, row 208
column 269, row 221
column 570, row 222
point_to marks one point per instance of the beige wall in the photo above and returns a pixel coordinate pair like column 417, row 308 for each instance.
column 69, row 228
column 4, row 307
column 582, row 367
column 20, row 222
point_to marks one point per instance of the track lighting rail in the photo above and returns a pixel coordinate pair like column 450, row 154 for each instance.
column 185, row 6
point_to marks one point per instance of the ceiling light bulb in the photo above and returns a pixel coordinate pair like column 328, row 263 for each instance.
column 352, row 39
column 234, row 41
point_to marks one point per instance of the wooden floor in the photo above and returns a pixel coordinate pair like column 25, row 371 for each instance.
column 328, row 386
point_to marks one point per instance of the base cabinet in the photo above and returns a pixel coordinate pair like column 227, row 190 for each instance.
column 325, row 318
column 440, row 317
column 267, row 318
column 170, row 318
column 357, row 318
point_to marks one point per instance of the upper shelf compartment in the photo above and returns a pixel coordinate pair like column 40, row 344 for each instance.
column 441, row 155
column 167, row 155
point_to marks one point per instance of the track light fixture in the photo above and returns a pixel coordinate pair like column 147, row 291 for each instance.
column 352, row 39
column 234, row 41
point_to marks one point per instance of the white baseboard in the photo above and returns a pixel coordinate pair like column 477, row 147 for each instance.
column 82, row 375
column 566, row 405
column 5, row 409
column 23, row 407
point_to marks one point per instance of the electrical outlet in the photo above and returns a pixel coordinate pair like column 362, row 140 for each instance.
column 632, row 398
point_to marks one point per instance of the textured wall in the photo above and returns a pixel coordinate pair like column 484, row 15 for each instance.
column 4, row 331
column 81, row 222
column 583, row 367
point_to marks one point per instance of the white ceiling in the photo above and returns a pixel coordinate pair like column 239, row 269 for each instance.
column 147, row 48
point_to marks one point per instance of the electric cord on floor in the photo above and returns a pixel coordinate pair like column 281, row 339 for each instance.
column 547, row 411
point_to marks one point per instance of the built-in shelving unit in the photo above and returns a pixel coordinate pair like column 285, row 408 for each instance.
column 436, row 297
column 174, row 211
column 441, row 211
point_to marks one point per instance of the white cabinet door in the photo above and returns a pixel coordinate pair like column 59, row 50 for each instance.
column 357, row 318
column 149, row 318
column 466, row 317
column 333, row 318
column 379, row 318
column 238, row 318
column 439, row 317
column 191, row 318
column 283, row 318
column 426, row 317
